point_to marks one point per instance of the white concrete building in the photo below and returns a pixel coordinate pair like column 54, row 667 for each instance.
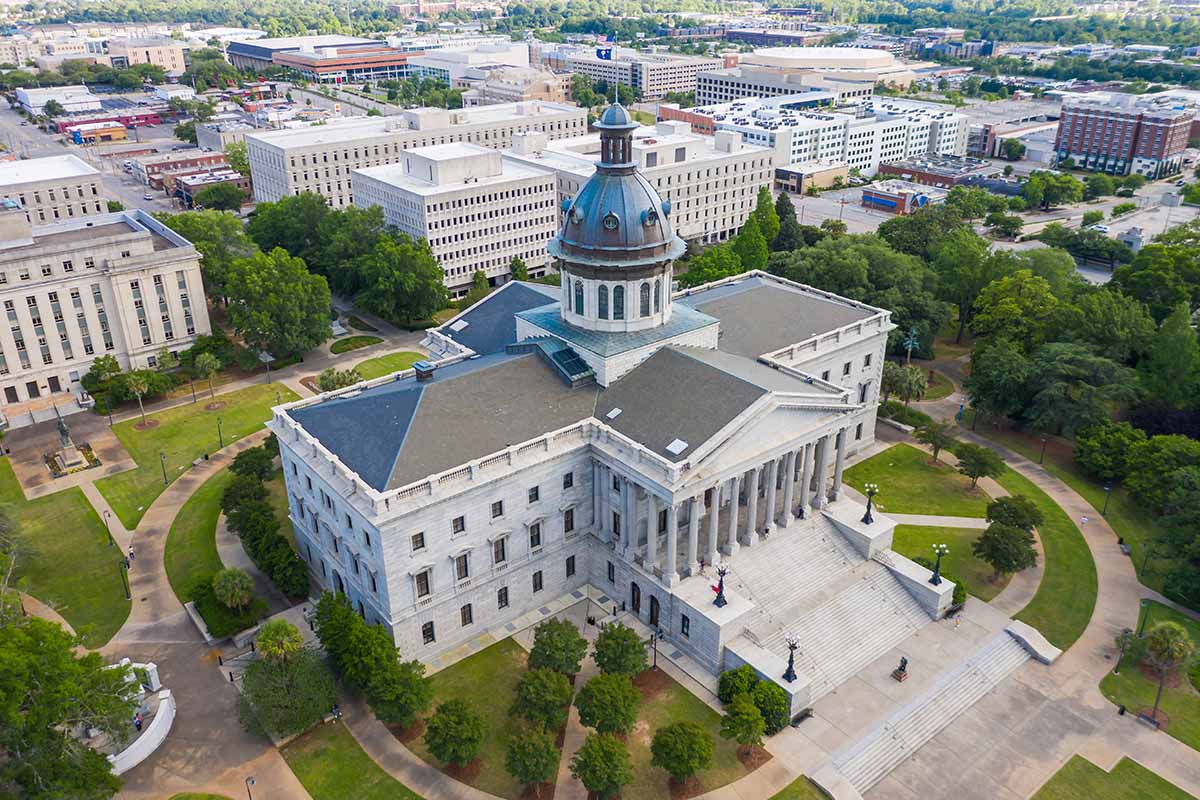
column 73, row 99
column 320, row 158
column 118, row 284
column 651, row 74
column 477, row 209
column 456, row 67
column 174, row 91
column 711, row 182
column 53, row 189
column 614, row 442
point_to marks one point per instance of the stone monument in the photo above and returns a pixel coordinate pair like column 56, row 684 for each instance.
column 68, row 456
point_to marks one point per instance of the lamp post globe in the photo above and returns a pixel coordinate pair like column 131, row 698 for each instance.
column 871, row 489
column 939, row 550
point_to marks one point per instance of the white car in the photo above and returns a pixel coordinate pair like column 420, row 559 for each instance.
column 147, row 196
column 1098, row 228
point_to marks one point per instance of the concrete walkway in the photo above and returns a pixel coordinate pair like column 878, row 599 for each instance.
column 565, row 785
column 233, row 554
column 36, row 608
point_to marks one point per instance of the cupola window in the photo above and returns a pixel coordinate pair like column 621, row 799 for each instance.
column 657, row 296
column 610, row 221
column 644, row 298
column 618, row 302
column 578, row 297
column 602, row 299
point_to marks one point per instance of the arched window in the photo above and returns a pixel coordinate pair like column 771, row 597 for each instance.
column 618, row 302
column 645, row 299
column 657, row 296
column 602, row 299
column 578, row 297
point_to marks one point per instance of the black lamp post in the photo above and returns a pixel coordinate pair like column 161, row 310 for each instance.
column 939, row 550
column 1107, row 492
column 654, row 637
column 792, row 643
column 220, row 436
column 123, row 568
column 108, row 531
column 162, row 462
column 1042, row 457
column 250, row 782
column 720, row 602
column 872, row 489
column 1143, row 615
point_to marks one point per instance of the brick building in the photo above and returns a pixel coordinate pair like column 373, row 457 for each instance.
column 1122, row 134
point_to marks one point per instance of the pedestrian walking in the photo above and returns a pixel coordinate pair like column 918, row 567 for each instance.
column 131, row 554
column 137, row 722
column 957, row 621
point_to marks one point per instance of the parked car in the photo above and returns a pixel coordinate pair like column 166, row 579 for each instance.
column 1098, row 228
column 1180, row 182
column 147, row 196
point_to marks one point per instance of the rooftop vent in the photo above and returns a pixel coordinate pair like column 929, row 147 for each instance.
column 677, row 446
column 424, row 370
column 616, row 412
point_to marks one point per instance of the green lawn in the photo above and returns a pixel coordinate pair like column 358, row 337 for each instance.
column 353, row 343
column 676, row 704
column 277, row 497
column 184, row 433
column 384, row 365
column 197, row 796
column 1135, row 524
column 1135, row 691
column 191, row 550
column 800, row 789
column 1066, row 596
column 332, row 766
column 939, row 387
column 1080, row 779
column 910, row 484
column 487, row 680
column 65, row 560
column 960, row 562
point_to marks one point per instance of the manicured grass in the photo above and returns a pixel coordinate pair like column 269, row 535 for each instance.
column 65, row 560
column 800, row 789
column 332, row 766
column 939, row 387
column 384, row 365
column 445, row 315
column 910, row 484
column 487, row 681
column 353, row 343
column 676, row 704
column 191, row 551
column 277, row 497
column 960, row 562
column 360, row 324
column 1066, row 596
column 184, row 433
column 1135, row 690
column 1136, row 525
column 1080, row 779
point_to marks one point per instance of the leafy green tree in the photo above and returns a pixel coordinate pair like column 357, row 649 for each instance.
column 936, row 436
column 235, row 156
column 1019, row 307
column 1102, row 451
column 682, row 749
column 557, row 645
column 733, row 682
column 923, row 232
column 1013, row 150
column 185, row 131
column 54, row 109
column 743, row 722
column 1090, row 218
column 1070, row 388
column 399, row 691
column 165, row 360
column 619, row 650
column 965, row 266
column 976, row 461
column 715, row 263
column 1167, row 646
column 608, row 703
column 1015, row 510
column 1111, row 324
column 220, row 196
column 834, row 227
column 1005, row 548
column 750, row 246
column 1006, row 226
column 1152, row 461
column 544, row 697
column 401, row 280
column 1098, row 185
column 454, row 733
column 276, row 304
column 532, row 758
column 789, row 236
column 1170, row 373
column 255, row 462
column 105, row 367
column 281, row 697
column 1133, row 181
column 278, row 640
column 768, row 218
column 971, row 202
column 343, row 237
column 774, row 704
column 138, row 384
column 602, row 765
column 233, row 588
column 49, row 690
column 219, row 238
column 332, row 378
column 479, row 290
column 1162, row 276
column 293, row 223
column 206, row 366
column 520, row 272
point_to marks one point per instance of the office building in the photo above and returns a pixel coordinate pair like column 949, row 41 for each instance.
column 477, row 209
column 460, row 67
column 73, row 99
column 186, row 187
column 158, row 51
column 346, row 64
column 776, row 37
column 710, row 182
column 53, row 189
column 150, row 169
column 650, row 74
column 320, row 158
column 259, row 53
column 519, row 84
column 119, row 284
column 1122, row 133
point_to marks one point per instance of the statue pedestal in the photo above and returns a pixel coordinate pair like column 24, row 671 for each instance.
column 900, row 676
column 69, row 458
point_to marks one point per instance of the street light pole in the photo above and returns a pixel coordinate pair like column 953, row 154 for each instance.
column 1107, row 492
column 939, row 550
column 107, row 531
column 1042, row 457
column 162, row 462
column 123, row 568
column 249, row 782
column 220, row 435
column 871, row 489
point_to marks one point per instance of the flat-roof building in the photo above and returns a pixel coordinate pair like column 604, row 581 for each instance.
column 651, row 74
column 455, row 66
column 54, row 188
column 1123, row 133
column 320, row 158
column 73, row 99
column 346, row 64
column 518, row 84
column 477, row 209
column 945, row 172
column 260, row 53
column 159, row 51
column 900, row 197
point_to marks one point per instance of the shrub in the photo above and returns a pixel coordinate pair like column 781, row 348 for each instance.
column 281, row 698
column 1122, row 208
column 736, row 681
column 217, row 344
column 774, row 704
column 255, row 463
column 682, row 749
column 532, row 757
column 1102, row 451
column 242, row 489
column 233, row 587
column 220, row 620
column 454, row 733
column 896, row 410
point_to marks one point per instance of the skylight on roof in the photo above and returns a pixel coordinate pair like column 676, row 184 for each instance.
column 616, row 412
column 458, row 326
column 676, row 447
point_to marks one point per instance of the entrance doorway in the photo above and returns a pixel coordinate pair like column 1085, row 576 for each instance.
column 32, row 388
column 635, row 598
column 55, row 386
column 653, row 611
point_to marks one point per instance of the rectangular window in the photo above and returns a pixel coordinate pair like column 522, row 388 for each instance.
column 537, row 581
column 568, row 480
column 616, row 524
column 858, row 431
column 465, row 613
column 427, row 633
column 535, row 536
column 533, row 495
column 570, row 566
column 499, row 551
column 846, row 368
column 497, row 509
column 867, row 360
column 612, row 573
column 685, row 625
column 418, row 541
column 424, row 587
column 458, row 525
column 825, row 375
column 568, row 520
column 462, row 567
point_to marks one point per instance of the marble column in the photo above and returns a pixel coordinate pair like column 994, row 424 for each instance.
column 669, row 576
column 651, row 560
column 731, row 546
column 598, row 501
column 822, row 468
column 836, row 491
column 604, row 526
column 789, row 485
column 772, row 482
column 714, row 515
column 693, row 544
column 629, row 519
column 752, row 507
column 806, row 478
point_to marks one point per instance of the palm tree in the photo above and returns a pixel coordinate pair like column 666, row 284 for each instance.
column 206, row 366
column 139, row 384
column 936, row 436
column 1167, row 646
column 233, row 588
column 913, row 384
column 279, row 640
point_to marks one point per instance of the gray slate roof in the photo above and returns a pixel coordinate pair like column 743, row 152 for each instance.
column 491, row 323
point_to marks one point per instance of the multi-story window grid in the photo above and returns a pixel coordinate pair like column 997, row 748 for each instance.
column 139, row 307
column 185, row 302
column 39, row 329
column 163, row 308
column 81, row 321
column 102, row 316
column 64, row 337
